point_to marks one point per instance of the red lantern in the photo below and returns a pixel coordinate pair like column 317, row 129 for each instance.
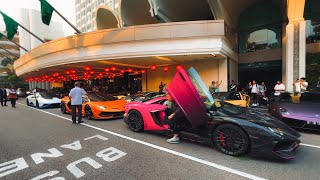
column 165, row 69
column 129, row 70
column 87, row 68
column 85, row 73
column 122, row 71
column 153, row 67
column 106, row 69
column 143, row 71
column 73, row 71
column 91, row 72
column 136, row 72
column 179, row 67
column 113, row 68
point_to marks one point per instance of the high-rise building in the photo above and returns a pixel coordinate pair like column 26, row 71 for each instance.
column 86, row 9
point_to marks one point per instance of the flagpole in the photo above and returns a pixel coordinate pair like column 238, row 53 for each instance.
column 77, row 30
column 15, row 43
column 30, row 33
column 9, row 52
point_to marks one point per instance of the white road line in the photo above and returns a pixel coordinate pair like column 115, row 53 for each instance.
column 224, row 168
column 310, row 145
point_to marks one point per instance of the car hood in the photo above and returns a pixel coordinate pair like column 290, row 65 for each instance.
column 117, row 104
column 311, row 110
column 263, row 119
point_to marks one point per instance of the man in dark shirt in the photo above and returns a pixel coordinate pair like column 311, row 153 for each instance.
column 233, row 86
column 1, row 96
column 5, row 97
column 174, row 119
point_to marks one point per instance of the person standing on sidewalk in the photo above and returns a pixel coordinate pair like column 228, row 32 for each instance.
column 13, row 96
column 5, row 96
column 75, row 97
column 1, row 96
column 254, row 92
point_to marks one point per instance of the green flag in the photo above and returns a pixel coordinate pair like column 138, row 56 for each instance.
column 11, row 25
column 46, row 12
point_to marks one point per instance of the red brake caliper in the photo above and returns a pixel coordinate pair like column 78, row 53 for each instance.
column 221, row 139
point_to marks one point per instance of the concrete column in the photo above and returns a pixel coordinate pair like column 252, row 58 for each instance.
column 43, row 85
column 24, row 36
column 223, row 74
column 48, row 85
column 294, row 58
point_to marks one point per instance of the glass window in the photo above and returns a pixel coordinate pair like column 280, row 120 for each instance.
column 312, row 31
column 259, row 40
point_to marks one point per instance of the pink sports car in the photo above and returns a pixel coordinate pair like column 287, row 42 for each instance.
column 232, row 129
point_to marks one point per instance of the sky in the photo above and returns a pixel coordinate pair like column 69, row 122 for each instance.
column 65, row 7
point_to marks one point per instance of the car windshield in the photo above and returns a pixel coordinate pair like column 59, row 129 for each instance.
column 201, row 88
column 45, row 95
column 228, row 108
column 99, row 97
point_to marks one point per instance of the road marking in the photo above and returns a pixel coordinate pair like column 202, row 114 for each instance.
column 310, row 145
column 208, row 163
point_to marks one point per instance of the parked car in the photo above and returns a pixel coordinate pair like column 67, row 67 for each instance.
column 59, row 92
column 21, row 92
column 237, row 98
column 42, row 100
column 233, row 130
column 300, row 111
column 96, row 107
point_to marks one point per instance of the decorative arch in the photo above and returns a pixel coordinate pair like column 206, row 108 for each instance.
column 182, row 10
column 106, row 18
column 137, row 12
column 262, row 15
column 259, row 15
column 312, row 10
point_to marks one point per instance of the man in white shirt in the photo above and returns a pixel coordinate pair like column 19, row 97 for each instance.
column 303, row 85
column 75, row 97
column 279, row 88
column 254, row 93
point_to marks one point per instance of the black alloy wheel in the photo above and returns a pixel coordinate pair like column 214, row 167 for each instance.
column 231, row 140
column 135, row 120
column 28, row 104
column 37, row 104
column 63, row 109
column 88, row 113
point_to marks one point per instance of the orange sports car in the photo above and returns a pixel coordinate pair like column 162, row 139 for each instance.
column 96, row 107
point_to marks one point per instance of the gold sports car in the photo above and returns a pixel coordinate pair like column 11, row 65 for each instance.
column 234, row 97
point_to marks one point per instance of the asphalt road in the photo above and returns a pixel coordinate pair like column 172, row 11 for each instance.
column 25, row 132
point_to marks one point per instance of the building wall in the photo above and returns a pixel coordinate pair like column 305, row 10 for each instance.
column 259, row 56
column 31, row 19
column 313, row 48
column 208, row 71
column 86, row 9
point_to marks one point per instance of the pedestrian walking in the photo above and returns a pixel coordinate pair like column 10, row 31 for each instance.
column 13, row 96
column 1, row 96
column 279, row 88
column 5, row 96
column 75, row 97
column 262, row 94
column 233, row 86
column 254, row 93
